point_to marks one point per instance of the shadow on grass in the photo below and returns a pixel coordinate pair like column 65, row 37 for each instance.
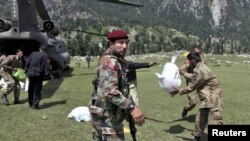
column 184, row 138
column 83, row 74
column 177, row 129
column 190, row 118
column 155, row 120
column 23, row 100
column 203, row 138
column 51, row 87
column 48, row 105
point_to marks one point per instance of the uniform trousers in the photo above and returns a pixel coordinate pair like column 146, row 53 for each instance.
column 34, row 91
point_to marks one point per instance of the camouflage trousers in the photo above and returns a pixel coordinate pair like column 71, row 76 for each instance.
column 192, row 100
column 103, row 128
column 212, row 116
column 133, row 93
column 12, row 84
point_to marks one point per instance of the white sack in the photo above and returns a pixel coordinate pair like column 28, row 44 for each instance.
column 80, row 114
column 170, row 78
column 3, row 84
column 22, row 85
column 26, row 85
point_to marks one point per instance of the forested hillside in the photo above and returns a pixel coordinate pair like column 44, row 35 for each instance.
column 221, row 26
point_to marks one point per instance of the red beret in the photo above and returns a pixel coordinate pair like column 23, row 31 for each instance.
column 117, row 34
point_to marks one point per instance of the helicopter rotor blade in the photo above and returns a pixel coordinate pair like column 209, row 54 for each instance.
column 75, row 30
column 42, row 10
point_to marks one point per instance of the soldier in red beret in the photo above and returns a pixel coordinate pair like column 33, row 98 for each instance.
column 110, row 104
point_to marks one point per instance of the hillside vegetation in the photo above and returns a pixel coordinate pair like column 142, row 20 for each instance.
column 161, row 25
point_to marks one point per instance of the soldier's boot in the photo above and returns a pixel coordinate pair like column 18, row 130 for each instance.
column 197, row 139
column 16, row 95
column 184, row 113
column 4, row 99
column 16, row 101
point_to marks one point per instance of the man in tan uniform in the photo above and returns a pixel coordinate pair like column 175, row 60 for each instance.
column 208, row 88
column 187, row 71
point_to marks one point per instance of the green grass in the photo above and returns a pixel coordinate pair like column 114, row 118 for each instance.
column 60, row 96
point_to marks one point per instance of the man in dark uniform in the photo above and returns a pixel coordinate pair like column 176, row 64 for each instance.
column 129, row 68
column 38, row 65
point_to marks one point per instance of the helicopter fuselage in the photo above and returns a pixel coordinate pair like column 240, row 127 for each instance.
column 22, row 32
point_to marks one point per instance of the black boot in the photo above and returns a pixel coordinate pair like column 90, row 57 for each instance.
column 197, row 139
column 184, row 113
column 4, row 99
column 16, row 101
column 36, row 107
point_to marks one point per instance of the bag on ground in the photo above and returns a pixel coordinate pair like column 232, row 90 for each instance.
column 80, row 114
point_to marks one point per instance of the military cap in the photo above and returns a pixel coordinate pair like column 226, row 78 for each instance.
column 117, row 34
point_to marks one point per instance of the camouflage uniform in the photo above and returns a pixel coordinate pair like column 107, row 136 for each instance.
column 188, row 72
column 6, row 77
column 2, row 57
column 11, row 61
column 208, row 87
column 109, row 103
column 192, row 97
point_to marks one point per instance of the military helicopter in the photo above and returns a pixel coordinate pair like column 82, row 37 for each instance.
column 22, row 31
column 123, row 3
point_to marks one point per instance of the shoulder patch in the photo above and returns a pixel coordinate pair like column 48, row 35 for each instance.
column 112, row 64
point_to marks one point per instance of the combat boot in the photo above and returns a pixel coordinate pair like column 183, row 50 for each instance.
column 197, row 139
column 4, row 99
column 184, row 113
column 16, row 101
column 36, row 107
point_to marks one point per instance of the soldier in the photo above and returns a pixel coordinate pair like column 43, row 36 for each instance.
column 110, row 103
column 37, row 65
column 10, row 64
column 130, row 69
column 187, row 71
column 88, row 58
column 208, row 88
column 2, row 57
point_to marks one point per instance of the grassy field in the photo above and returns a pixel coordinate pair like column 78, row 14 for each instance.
column 163, row 122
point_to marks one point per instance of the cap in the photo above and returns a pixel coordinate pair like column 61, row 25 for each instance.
column 117, row 34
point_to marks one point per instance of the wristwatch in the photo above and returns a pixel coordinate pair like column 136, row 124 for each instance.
column 131, row 106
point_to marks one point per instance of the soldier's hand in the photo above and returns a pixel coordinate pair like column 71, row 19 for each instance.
column 14, row 69
column 181, row 72
column 152, row 64
column 175, row 92
column 138, row 116
column 52, row 77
